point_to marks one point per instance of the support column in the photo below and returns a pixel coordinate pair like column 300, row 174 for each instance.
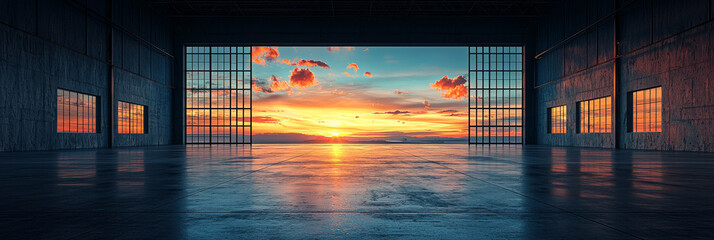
column 110, row 56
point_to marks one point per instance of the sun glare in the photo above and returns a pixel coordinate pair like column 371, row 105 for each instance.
column 335, row 134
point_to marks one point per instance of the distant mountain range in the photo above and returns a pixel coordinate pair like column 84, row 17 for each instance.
column 303, row 138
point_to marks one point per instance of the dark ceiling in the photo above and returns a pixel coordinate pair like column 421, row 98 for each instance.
column 224, row 8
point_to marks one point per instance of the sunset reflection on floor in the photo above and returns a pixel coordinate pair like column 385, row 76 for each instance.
column 356, row 191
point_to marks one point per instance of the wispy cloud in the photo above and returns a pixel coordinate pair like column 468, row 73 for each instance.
column 306, row 63
column 448, row 111
column 396, row 112
column 337, row 49
column 400, row 92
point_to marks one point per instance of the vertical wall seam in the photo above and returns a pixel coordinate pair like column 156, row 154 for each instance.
column 651, row 21
column 615, row 88
column 86, row 29
column 110, row 56
column 37, row 17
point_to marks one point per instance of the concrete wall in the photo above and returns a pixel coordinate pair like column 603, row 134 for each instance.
column 659, row 43
column 50, row 44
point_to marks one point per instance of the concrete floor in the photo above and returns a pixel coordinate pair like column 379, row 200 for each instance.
column 356, row 191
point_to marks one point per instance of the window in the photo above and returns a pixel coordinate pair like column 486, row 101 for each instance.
column 595, row 116
column 646, row 110
column 218, row 94
column 131, row 118
column 495, row 94
column 76, row 112
column 557, row 118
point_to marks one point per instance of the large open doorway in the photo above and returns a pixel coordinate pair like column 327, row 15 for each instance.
column 354, row 94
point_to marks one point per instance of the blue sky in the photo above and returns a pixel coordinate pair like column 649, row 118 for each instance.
column 398, row 100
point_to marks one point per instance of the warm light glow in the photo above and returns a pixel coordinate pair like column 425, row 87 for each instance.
column 336, row 153
column 302, row 95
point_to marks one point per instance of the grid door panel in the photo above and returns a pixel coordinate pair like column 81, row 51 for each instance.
column 218, row 95
column 495, row 95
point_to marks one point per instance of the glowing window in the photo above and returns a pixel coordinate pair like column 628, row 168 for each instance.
column 131, row 118
column 647, row 110
column 595, row 116
column 76, row 112
column 557, row 118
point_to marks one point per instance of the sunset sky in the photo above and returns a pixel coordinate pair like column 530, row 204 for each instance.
column 360, row 92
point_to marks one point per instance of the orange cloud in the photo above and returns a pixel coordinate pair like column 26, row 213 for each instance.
column 426, row 104
column 277, row 85
column 336, row 49
column 400, row 92
column 353, row 65
column 302, row 78
column 453, row 88
column 368, row 74
column 346, row 74
column 274, row 84
column 365, row 49
column 262, row 54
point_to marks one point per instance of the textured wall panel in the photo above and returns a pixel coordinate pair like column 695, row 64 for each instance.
column 682, row 64
column 66, row 48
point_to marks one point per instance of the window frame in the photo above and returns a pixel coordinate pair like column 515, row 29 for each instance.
column 145, row 125
column 563, row 125
column 632, row 114
column 579, row 112
column 97, row 109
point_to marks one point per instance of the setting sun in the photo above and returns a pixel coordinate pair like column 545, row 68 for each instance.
column 335, row 134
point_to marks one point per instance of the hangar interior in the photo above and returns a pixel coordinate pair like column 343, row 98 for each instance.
column 616, row 140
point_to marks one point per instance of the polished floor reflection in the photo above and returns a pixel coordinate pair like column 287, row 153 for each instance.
column 356, row 192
